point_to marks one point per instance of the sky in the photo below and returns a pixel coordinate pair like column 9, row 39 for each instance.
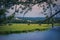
column 36, row 11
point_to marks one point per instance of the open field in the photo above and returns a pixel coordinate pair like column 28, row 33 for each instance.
column 16, row 28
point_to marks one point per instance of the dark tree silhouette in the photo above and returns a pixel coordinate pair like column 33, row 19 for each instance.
column 28, row 4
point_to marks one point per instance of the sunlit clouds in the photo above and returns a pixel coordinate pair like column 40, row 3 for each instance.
column 35, row 12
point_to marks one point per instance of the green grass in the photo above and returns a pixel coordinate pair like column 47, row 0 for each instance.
column 57, row 24
column 23, row 27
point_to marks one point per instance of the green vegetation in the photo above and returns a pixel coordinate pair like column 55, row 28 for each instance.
column 57, row 24
column 18, row 28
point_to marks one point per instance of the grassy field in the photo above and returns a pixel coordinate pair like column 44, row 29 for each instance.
column 15, row 28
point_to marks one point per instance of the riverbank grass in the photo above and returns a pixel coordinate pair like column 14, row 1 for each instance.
column 16, row 28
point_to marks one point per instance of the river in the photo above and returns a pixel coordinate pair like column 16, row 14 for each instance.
column 53, row 34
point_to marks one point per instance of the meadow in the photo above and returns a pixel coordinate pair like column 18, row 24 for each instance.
column 18, row 28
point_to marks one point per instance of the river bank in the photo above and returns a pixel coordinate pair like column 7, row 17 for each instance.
column 20, row 28
column 52, row 34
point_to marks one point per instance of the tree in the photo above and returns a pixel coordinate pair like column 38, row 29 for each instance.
column 2, row 16
column 26, row 5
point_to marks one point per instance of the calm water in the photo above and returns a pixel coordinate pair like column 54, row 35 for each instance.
column 53, row 34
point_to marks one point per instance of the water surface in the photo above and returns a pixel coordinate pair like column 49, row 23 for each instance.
column 53, row 34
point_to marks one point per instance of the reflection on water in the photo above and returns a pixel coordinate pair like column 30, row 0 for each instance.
column 53, row 34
